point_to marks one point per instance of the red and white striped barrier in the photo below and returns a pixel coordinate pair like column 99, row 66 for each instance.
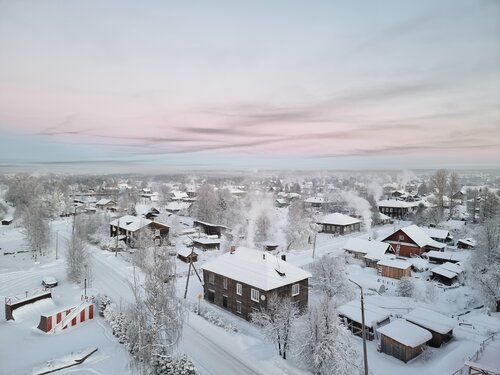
column 70, row 317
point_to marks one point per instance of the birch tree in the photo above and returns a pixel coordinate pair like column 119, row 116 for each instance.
column 277, row 322
column 78, row 265
column 330, row 278
column 439, row 182
column 323, row 345
column 454, row 186
column 36, row 229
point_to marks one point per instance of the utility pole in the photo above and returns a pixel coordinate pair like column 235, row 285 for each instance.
column 57, row 237
column 117, row 234
column 314, row 243
column 363, row 327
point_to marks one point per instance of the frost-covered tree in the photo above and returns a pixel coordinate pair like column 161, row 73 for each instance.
column 323, row 345
column 490, row 204
column 298, row 229
column 330, row 278
column 405, row 287
column 473, row 203
column 277, row 322
column 205, row 207
column 263, row 227
column 454, row 187
column 23, row 191
column 78, row 263
column 36, row 228
column 439, row 182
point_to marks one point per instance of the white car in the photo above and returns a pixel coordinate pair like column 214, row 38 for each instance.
column 49, row 282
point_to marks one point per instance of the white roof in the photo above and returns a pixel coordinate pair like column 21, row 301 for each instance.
column 420, row 237
column 373, row 314
column 103, row 202
column 372, row 248
column 395, row 263
column 384, row 216
column 396, row 204
column 448, row 255
column 406, row 333
column 315, row 200
column 468, row 241
column 338, row 219
column 431, row 320
column 177, row 206
column 185, row 251
column 437, row 233
column 131, row 223
column 207, row 241
column 250, row 267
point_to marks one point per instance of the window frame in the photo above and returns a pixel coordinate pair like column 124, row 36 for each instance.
column 211, row 278
column 224, row 283
column 238, row 307
column 252, row 292
column 239, row 289
column 298, row 289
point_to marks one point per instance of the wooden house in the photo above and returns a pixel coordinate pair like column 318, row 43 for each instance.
column 209, row 228
column 243, row 280
column 370, row 251
column 350, row 314
column 441, row 257
column 466, row 243
column 439, row 325
column 394, row 268
column 106, row 204
column 7, row 221
column 412, row 240
column 129, row 229
column 403, row 340
column 206, row 243
column 446, row 273
column 316, row 203
column 177, row 206
column 338, row 223
column 187, row 255
column 439, row 235
column 396, row 209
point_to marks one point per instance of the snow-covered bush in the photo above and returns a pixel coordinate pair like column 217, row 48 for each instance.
column 405, row 287
column 164, row 364
column 213, row 317
column 102, row 304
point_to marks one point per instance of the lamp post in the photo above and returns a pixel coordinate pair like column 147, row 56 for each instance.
column 363, row 331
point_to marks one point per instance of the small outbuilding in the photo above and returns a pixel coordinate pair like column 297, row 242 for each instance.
column 466, row 243
column 205, row 243
column 209, row 228
column 446, row 273
column 7, row 221
column 441, row 257
column 439, row 325
column 375, row 316
column 403, row 340
column 187, row 255
column 394, row 268
column 338, row 223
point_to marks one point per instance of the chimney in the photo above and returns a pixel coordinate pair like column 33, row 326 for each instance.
column 264, row 256
column 283, row 257
column 233, row 249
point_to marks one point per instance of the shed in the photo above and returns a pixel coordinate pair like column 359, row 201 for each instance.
column 394, row 268
column 209, row 228
column 7, row 221
column 439, row 325
column 403, row 340
column 374, row 317
column 466, row 243
column 446, row 256
column 205, row 243
column 187, row 255
column 447, row 273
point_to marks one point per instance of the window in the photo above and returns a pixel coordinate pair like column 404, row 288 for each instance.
column 295, row 290
column 238, row 307
column 254, row 295
column 238, row 289
column 225, row 283
column 211, row 278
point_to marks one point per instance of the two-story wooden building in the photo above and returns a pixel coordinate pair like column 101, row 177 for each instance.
column 243, row 280
column 129, row 228
column 338, row 223
column 396, row 209
column 412, row 240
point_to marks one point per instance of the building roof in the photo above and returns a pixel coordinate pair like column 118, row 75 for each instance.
column 185, row 251
column 468, row 241
column 396, row 203
column 256, row 268
column 442, row 234
column 395, row 263
column 103, row 202
column 133, row 223
column 338, row 219
column 420, row 237
column 448, row 255
column 207, row 241
column 315, row 200
column 406, row 333
column 431, row 320
column 373, row 314
column 373, row 248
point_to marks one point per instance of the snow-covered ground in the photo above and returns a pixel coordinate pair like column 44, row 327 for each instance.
column 214, row 350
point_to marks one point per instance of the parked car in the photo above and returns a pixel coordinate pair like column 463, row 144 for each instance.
column 49, row 282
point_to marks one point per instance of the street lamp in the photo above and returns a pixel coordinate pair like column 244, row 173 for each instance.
column 363, row 331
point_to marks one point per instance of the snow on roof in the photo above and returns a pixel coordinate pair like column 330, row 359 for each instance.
column 209, row 224
column 453, row 267
column 448, row 255
column 103, row 202
column 372, row 248
column 396, row 204
column 185, row 251
column 431, row 320
column 420, row 237
column 373, row 314
column 395, row 263
column 406, row 333
column 207, row 241
column 468, row 241
column 437, row 233
column 315, row 200
column 177, row 206
column 384, row 216
column 132, row 223
column 338, row 219
column 256, row 268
